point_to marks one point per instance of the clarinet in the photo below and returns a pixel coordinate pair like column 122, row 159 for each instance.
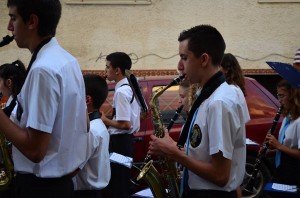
column 6, row 40
column 249, row 187
column 175, row 117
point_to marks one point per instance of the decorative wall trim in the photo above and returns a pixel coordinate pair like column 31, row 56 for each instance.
column 167, row 72
column 109, row 2
column 278, row 1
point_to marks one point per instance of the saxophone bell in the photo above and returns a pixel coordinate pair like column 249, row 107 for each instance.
column 165, row 183
column 6, row 40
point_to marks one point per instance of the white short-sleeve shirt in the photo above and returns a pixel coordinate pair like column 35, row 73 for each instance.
column 125, row 110
column 96, row 172
column 53, row 101
column 220, row 126
column 292, row 134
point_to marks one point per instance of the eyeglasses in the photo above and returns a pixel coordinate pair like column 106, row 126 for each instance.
column 280, row 96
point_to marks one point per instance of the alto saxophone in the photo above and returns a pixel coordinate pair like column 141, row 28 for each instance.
column 165, row 184
column 6, row 164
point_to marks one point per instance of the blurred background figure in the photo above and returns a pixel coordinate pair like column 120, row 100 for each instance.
column 95, row 174
column 234, row 76
column 183, row 92
column 287, row 146
column 12, row 76
column 233, row 72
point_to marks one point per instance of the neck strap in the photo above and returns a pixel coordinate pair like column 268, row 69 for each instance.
column 36, row 51
column 211, row 85
column 94, row 115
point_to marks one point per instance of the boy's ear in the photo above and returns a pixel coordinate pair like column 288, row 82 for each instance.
column 33, row 21
column 88, row 99
column 118, row 71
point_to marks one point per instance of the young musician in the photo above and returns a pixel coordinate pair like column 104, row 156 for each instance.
column 216, row 144
column 287, row 146
column 12, row 76
column 95, row 174
column 183, row 92
column 234, row 76
column 125, row 122
column 49, row 128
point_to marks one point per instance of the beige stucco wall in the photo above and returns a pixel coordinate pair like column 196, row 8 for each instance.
column 254, row 32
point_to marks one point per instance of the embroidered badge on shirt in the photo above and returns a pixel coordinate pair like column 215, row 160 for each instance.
column 196, row 136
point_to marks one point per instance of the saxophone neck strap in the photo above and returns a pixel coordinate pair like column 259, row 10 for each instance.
column 94, row 115
column 33, row 57
column 132, row 98
column 211, row 85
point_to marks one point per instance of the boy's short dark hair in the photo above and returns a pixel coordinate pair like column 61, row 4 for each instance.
column 48, row 12
column 120, row 60
column 205, row 39
column 96, row 87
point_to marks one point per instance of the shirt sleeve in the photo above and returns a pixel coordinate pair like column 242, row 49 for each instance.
column 43, row 99
column 123, row 108
column 222, row 127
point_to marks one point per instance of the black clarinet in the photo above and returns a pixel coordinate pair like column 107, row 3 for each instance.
column 249, row 187
column 175, row 117
column 6, row 40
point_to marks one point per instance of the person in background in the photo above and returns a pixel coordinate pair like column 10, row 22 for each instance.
column 95, row 174
column 183, row 92
column 216, row 150
column 125, row 122
column 296, row 62
column 12, row 77
column 234, row 77
column 287, row 147
column 48, row 128
column 233, row 72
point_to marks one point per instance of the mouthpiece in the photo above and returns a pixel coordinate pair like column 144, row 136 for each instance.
column 6, row 40
column 177, row 80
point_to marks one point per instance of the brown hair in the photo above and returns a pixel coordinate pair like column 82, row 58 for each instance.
column 234, row 74
column 293, row 100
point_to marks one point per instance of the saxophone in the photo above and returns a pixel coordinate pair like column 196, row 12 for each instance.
column 6, row 164
column 166, row 183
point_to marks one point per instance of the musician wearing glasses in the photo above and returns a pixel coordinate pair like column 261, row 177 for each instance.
column 125, row 122
column 214, row 132
column 287, row 147
column 49, row 128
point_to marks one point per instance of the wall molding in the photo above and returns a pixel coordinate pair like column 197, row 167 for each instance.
column 168, row 72
column 108, row 2
column 278, row 1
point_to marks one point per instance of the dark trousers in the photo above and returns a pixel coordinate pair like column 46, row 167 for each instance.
column 209, row 194
column 119, row 184
column 28, row 185
column 88, row 194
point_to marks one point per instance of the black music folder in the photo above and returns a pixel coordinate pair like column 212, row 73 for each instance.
column 287, row 71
